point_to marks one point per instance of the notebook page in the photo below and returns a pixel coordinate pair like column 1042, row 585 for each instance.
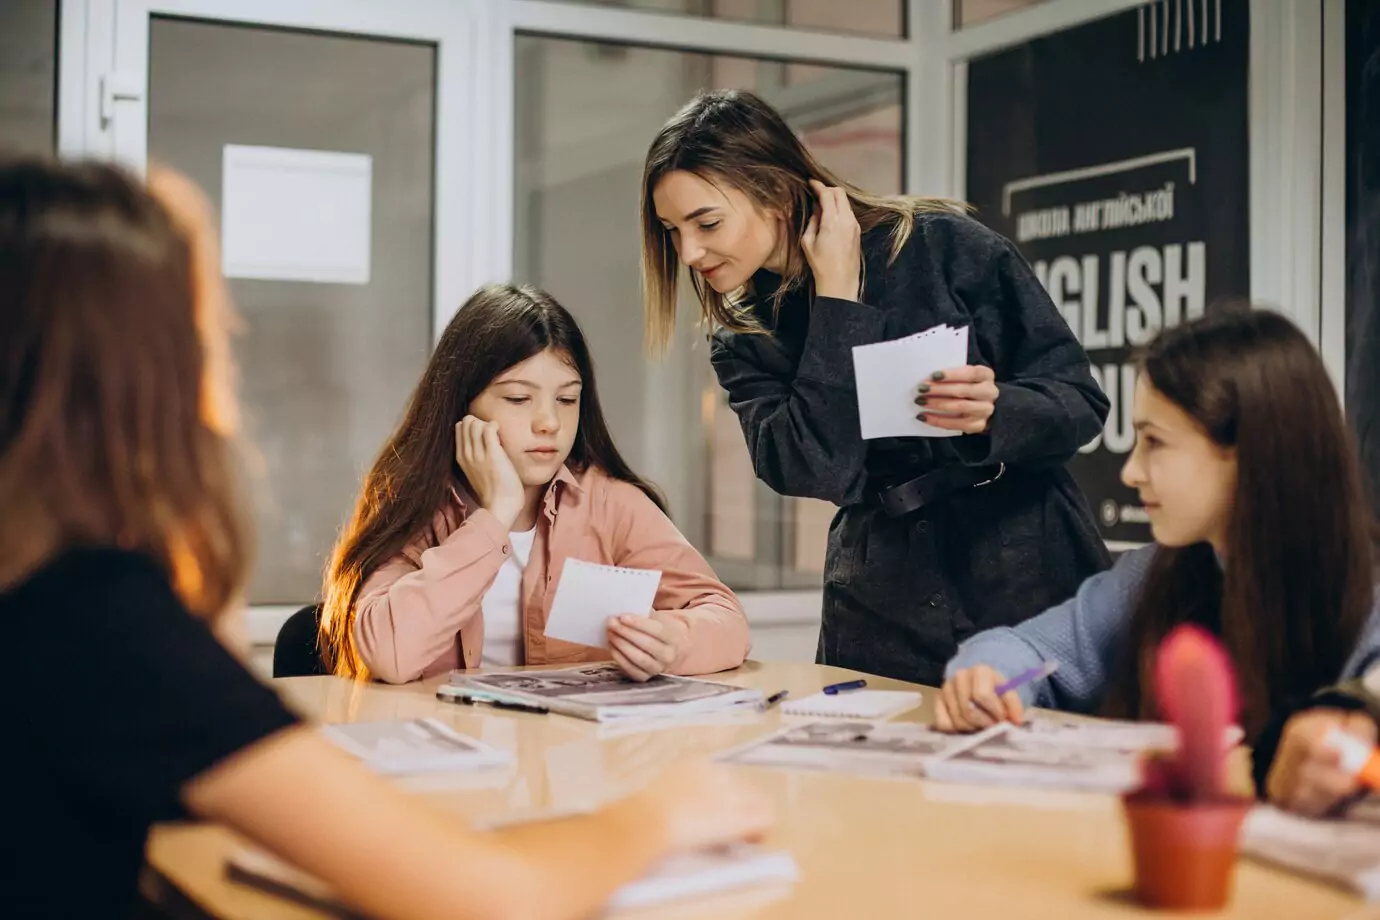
column 590, row 593
column 855, row 704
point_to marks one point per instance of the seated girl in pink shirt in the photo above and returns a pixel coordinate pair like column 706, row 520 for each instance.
column 501, row 470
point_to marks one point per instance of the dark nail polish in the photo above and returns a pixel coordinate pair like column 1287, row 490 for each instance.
column 922, row 417
column 921, row 400
column 937, row 375
column 923, row 388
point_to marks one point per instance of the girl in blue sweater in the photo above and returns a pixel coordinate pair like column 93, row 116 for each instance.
column 1263, row 534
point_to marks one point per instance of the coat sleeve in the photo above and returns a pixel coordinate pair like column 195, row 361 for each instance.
column 801, row 424
column 1048, row 405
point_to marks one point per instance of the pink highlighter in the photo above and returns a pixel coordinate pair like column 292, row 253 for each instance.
column 1357, row 758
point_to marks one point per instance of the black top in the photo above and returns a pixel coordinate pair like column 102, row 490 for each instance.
column 115, row 697
column 794, row 390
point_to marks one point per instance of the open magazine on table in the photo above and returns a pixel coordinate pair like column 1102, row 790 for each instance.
column 1047, row 751
column 601, row 692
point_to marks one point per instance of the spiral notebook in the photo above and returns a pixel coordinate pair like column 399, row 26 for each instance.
column 856, row 704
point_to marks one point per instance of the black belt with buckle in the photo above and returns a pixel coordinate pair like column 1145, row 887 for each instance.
column 902, row 499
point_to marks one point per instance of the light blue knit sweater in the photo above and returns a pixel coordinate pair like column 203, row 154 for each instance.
column 1084, row 634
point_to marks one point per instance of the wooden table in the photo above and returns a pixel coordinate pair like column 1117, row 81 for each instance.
column 871, row 848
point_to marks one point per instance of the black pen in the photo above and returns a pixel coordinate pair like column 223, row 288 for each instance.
column 775, row 698
column 511, row 705
column 515, row 707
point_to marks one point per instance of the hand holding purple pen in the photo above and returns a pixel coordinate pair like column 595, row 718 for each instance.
column 977, row 697
column 1026, row 677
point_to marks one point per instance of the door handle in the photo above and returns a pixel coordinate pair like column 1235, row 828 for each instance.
column 116, row 88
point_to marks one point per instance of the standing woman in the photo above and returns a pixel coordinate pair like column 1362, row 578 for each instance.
column 935, row 539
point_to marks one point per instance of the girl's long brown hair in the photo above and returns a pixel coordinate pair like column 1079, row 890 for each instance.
column 498, row 327
column 1294, row 593
column 114, row 426
column 733, row 137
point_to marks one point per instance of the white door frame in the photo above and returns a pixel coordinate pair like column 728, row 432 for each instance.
column 503, row 20
column 1332, row 336
column 104, row 105
column 1286, row 122
column 104, row 79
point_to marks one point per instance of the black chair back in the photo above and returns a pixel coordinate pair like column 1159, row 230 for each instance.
column 296, row 653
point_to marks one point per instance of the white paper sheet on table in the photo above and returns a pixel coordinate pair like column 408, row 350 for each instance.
column 414, row 746
column 888, row 376
column 589, row 593
column 1345, row 851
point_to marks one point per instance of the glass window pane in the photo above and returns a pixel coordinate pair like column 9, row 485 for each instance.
column 325, row 367
column 812, row 518
column 28, row 76
column 884, row 18
column 585, row 113
column 731, row 516
column 972, row 12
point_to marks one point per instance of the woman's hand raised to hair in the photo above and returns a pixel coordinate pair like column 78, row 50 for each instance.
column 968, row 701
column 488, row 470
column 833, row 244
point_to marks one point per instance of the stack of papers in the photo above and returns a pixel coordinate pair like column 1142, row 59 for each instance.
column 418, row 746
column 1095, row 756
column 603, row 693
column 873, row 748
column 889, row 374
column 1345, row 851
column 1018, row 755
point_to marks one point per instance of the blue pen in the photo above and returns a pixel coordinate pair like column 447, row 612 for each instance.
column 833, row 689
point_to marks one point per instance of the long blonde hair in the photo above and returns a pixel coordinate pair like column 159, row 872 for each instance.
column 113, row 428
column 733, row 137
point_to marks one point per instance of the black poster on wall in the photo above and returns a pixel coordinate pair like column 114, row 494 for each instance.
column 1363, row 233
column 1115, row 155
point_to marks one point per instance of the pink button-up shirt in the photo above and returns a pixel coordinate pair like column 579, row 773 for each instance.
column 419, row 614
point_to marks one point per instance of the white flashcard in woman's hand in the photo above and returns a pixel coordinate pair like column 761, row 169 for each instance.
column 889, row 375
column 589, row 593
